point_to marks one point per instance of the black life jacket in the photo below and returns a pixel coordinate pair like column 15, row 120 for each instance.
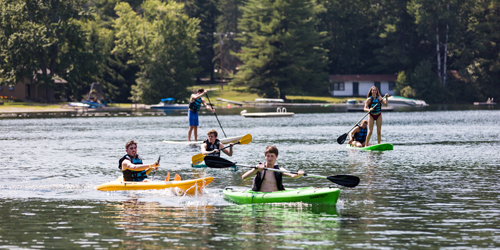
column 257, row 181
column 211, row 147
column 195, row 105
column 361, row 135
column 374, row 102
column 130, row 175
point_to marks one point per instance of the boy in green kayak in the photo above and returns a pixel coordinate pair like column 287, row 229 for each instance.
column 358, row 135
column 131, row 164
column 269, row 182
column 212, row 145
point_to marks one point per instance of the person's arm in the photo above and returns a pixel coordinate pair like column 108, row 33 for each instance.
column 203, row 148
column 229, row 151
column 367, row 105
column 207, row 106
column 293, row 176
column 352, row 133
column 385, row 101
column 252, row 172
column 126, row 164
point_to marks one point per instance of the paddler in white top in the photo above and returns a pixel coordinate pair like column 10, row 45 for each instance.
column 212, row 145
column 272, row 181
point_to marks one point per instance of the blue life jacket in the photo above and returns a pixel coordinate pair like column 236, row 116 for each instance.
column 211, row 147
column 374, row 102
column 130, row 175
column 361, row 135
column 195, row 105
column 257, row 181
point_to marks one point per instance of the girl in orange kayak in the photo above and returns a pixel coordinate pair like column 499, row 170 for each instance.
column 373, row 104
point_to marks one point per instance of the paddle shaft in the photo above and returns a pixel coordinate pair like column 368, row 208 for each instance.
column 283, row 171
column 153, row 177
column 216, row 116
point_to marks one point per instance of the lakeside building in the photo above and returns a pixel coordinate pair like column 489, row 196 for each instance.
column 359, row 85
column 25, row 90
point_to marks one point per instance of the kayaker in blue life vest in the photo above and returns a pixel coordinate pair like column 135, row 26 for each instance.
column 212, row 145
column 272, row 181
column 195, row 103
column 373, row 104
column 131, row 164
column 358, row 135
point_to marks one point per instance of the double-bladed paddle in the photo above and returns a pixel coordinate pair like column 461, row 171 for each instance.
column 342, row 138
column 342, row 180
column 197, row 159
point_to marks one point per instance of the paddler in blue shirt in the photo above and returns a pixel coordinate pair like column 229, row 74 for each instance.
column 131, row 164
column 358, row 135
column 272, row 181
column 195, row 103
column 212, row 145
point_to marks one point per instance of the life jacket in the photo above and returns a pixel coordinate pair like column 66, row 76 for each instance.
column 211, row 147
column 130, row 175
column 361, row 135
column 257, row 181
column 374, row 102
column 195, row 105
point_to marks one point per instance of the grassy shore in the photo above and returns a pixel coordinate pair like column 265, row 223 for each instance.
column 228, row 93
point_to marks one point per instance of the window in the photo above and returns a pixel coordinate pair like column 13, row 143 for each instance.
column 1, row 87
column 377, row 84
column 338, row 86
column 11, row 87
column 392, row 85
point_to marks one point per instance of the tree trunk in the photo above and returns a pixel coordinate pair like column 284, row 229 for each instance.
column 446, row 48
column 438, row 52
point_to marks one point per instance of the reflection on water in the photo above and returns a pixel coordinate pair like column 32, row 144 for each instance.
column 438, row 188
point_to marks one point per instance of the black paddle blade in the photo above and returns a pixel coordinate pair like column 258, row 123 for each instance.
column 342, row 138
column 217, row 162
column 344, row 180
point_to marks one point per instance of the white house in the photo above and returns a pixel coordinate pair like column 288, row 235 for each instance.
column 359, row 85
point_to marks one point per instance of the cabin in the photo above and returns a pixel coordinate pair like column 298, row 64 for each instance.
column 359, row 85
column 26, row 91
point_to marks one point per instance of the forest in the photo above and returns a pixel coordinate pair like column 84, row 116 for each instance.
column 442, row 51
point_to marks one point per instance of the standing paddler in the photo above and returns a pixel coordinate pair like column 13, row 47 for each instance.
column 373, row 104
column 195, row 103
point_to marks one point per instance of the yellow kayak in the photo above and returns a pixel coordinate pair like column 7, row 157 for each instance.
column 189, row 187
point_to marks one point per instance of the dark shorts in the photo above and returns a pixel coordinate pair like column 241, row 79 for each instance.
column 375, row 117
column 193, row 118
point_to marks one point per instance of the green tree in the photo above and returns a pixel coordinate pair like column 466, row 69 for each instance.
column 38, row 37
column 281, row 49
column 162, row 43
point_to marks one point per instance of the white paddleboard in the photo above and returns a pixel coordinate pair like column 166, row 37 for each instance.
column 233, row 139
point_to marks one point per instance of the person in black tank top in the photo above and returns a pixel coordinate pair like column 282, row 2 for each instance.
column 373, row 98
column 212, row 145
column 135, row 171
column 358, row 135
column 195, row 103
column 269, row 181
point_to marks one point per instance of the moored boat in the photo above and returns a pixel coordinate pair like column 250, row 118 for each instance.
column 188, row 187
column 403, row 101
column 169, row 104
column 376, row 147
column 280, row 112
column 305, row 194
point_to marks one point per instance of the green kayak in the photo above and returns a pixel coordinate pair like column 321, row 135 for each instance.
column 306, row 194
column 376, row 147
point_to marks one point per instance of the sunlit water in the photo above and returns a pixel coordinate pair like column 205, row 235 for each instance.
column 438, row 188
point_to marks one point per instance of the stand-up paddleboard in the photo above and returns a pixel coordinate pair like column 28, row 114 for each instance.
column 376, row 147
column 233, row 139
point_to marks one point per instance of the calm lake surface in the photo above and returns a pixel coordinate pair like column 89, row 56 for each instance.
column 438, row 189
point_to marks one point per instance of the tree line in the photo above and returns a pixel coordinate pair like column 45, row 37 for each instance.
column 145, row 50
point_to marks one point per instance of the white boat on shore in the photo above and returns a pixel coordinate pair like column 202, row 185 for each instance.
column 403, row 101
column 169, row 104
column 280, row 112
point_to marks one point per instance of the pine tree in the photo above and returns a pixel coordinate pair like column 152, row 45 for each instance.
column 281, row 48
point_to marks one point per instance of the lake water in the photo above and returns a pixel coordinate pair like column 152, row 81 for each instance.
column 438, row 188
